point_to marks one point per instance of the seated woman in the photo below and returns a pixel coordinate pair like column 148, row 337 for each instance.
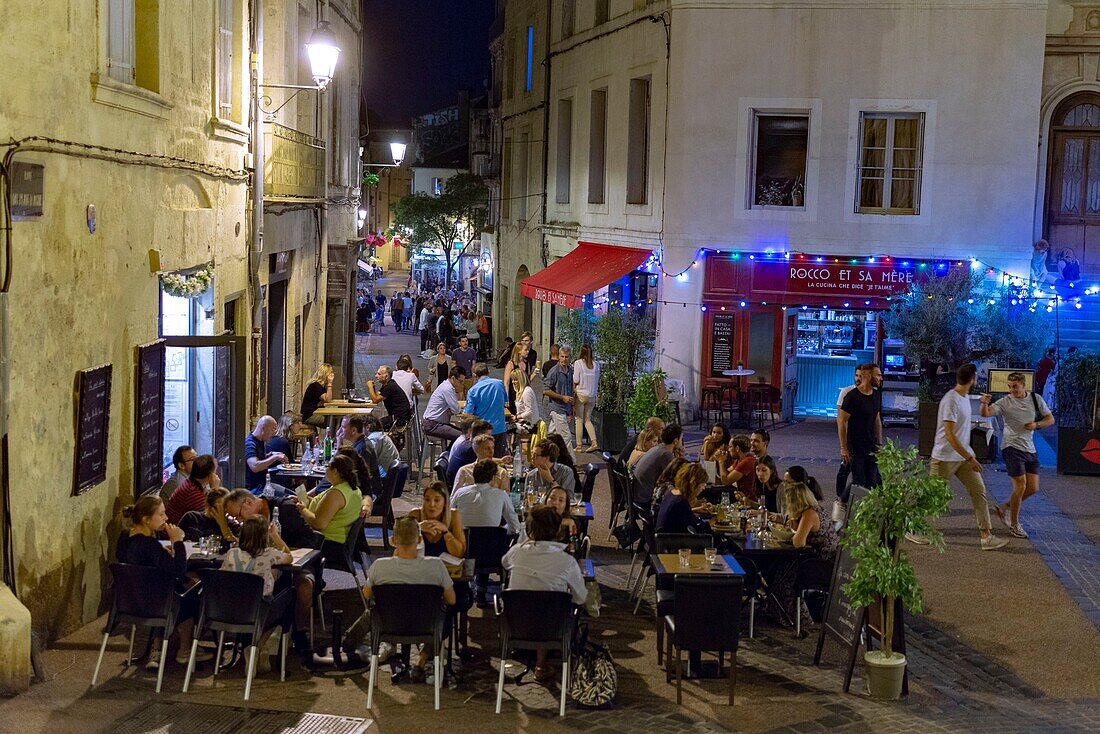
column 336, row 510
column 666, row 481
column 541, row 564
column 140, row 545
column 289, row 424
column 800, row 475
column 811, row 530
column 558, row 499
column 646, row 440
column 318, row 393
column 767, row 484
column 527, row 405
column 677, row 511
column 565, row 456
column 440, row 526
column 715, row 441
column 212, row 521
column 191, row 495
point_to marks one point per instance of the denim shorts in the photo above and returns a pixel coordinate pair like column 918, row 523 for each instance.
column 1018, row 462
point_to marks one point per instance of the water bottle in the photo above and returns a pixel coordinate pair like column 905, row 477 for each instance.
column 275, row 521
column 269, row 489
column 307, row 458
column 517, row 461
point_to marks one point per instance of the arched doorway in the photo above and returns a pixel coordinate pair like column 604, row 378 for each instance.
column 522, row 307
column 1071, row 218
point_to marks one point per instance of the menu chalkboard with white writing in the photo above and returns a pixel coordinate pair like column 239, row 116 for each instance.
column 721, row 343
column 149, row 418
column 93, row 420
column 222, row 404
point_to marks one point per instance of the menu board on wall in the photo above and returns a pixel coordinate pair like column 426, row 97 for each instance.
column 721, row 343
column 222, row 392
column 93, row 417
column 149, row 418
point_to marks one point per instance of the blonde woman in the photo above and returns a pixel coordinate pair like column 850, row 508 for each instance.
column 586, row 376
column 647, row 439
column 517, row 362
column 527, row 405
column 318, row 393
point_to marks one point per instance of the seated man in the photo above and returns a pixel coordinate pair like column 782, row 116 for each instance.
column 483, row 449
column 390, row 394
column 547, row 471
column 257, row 459
column 650, row 466
column 406, row 567
column 352, row 432
column 481, row 505
column 462, row 450
column 384, row 448
column 407, row 379
column 443, row 406
column 181, row 460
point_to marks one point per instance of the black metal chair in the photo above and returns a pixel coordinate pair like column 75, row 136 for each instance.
column 811, row 576
column 664, row 591
column 591, row 471
column 706, row 618
column 619, row 491
column 346, row 560
column 383, row 506
column 712, row 399
column 486, row 547
column 143, row 597
column 440, row 468
column 762, row 398
column 233, row 601
column 750, row 587
column 406, row 614
column 536, row 620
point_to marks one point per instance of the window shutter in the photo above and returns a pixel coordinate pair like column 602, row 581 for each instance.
column 120, row 40
column 225, row 58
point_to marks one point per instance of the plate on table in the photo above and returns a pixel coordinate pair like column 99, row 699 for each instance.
column 290, row 467
column 724, row 526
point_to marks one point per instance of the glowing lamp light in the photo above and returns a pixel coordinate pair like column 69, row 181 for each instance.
column 323, row 54
column 820, row 260
column 743, row 304
column 703, row 309
column 974, row 264
column 397, row 151
column 682, row 277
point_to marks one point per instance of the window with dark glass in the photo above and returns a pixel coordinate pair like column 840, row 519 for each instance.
column 779, row 161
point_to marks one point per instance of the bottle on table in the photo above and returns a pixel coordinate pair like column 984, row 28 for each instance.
column 269, row 489
column 275, row 520
column 327, row 446
column 307, row 457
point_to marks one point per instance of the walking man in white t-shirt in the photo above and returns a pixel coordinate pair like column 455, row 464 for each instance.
column 952, row 457
column 1022, row 412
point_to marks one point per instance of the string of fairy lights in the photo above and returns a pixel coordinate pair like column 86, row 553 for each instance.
column 1016, row 290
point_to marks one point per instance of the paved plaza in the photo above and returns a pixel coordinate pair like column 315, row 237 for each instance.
column 1008, row 642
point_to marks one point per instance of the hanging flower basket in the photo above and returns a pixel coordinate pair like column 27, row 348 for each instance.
column 188, row 285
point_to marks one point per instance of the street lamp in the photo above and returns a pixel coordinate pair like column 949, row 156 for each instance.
column 397, row 150
column 323, row 54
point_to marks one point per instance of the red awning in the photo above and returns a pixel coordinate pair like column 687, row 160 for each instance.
column 586, row 269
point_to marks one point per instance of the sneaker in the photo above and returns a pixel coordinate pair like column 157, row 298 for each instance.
column 999, row 511
column 153, row 663
column 992, row 542
column 919, row 539
column 1017, row 531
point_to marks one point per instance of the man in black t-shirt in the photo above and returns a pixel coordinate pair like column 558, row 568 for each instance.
column 859, row 425
column 390, row 394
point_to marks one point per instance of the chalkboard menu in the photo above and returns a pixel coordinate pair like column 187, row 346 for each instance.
column 149, row 418
column 721, row 343
column 93, row 416
column 843, row 620
column 222, row 392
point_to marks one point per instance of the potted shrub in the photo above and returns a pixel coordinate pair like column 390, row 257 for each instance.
column 649, row 399
column 906, row 501
column 1077, row 388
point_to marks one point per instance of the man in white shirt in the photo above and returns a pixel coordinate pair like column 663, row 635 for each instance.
column 388, row 455
column 1022, row 412
column 443, row 406
column 481, row 505
column 484, row 445
column 952, row 457
column 404, row 377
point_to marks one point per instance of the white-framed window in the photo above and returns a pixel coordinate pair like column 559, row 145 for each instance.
column 890, row 164
column 120, row 41
column 564, row 157
column 637, row 143
column 597, row 146
column 224, row 61
column 779, row 154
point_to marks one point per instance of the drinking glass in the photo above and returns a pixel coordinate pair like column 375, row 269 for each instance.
column 725, row 499
column 711, row 554
column 685, row 557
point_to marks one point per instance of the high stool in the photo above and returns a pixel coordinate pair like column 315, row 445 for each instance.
column 712, row 399
column 430, row 448
column 762, row 397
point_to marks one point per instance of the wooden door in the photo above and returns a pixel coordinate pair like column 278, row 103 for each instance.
column 1072, row 221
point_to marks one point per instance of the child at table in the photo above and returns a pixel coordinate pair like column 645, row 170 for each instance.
column 255, row 554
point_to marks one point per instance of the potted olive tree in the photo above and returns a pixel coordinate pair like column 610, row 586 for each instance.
column 906, row 502
column 1077, row 406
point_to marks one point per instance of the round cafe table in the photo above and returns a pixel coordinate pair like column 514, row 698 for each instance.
column 741, row 373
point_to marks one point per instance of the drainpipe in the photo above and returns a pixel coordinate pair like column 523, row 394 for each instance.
column 256, row 254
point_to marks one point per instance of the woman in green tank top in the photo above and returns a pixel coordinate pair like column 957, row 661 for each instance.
column 334, row 512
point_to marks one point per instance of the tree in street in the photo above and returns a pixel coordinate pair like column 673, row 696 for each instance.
column 456, row 218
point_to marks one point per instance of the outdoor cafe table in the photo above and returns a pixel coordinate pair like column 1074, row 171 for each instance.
column 336, row 409
column 303, row 557
column 582, row 514
column 297, row 475
column 776, row 561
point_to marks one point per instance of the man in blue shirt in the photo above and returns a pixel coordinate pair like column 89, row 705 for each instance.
column 558, row 387
column 256, row 458
column 486, row 400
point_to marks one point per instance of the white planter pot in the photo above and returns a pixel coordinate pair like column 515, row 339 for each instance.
column 884, row 674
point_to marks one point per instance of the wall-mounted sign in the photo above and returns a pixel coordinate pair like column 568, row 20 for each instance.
column 93, row 420
column 27, row 187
